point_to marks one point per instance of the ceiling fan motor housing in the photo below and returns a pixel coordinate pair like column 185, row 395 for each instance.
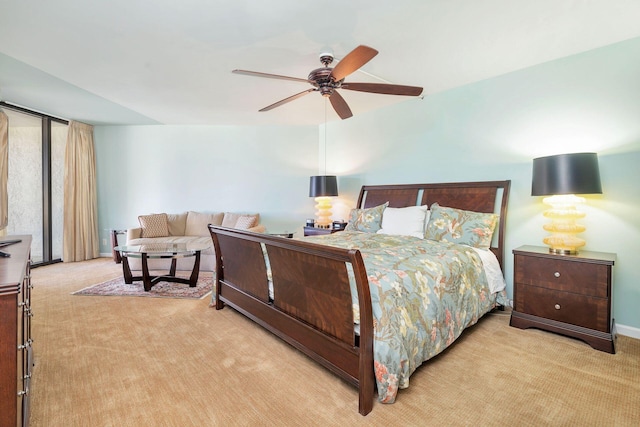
column 321, row 78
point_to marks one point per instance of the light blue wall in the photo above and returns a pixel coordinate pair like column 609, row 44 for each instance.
column 146, row 169
column 490, row 130
column 493, row 129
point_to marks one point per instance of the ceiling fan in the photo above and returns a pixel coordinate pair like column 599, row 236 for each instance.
column 327, row 81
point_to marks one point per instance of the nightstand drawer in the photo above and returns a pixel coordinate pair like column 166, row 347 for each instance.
column 576, row 309
column 563, row 275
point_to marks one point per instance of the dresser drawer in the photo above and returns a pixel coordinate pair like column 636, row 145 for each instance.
column 572, row 276
column 576, row 309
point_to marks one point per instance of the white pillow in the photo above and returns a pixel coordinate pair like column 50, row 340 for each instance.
column 408, row 221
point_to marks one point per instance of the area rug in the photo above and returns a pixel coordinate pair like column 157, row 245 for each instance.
column 117, row 287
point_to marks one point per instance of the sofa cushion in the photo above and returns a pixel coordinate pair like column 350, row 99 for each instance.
column 231, row 219
column 177, row 223
column 197, row 223
column 258, row 228
column 176, row 239
column 154, row 225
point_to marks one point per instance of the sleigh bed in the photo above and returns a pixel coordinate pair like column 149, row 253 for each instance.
column 372, row 305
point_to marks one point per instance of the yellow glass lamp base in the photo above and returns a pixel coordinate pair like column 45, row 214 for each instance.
column 563, row 226
column 564, row 245
column 323, row 211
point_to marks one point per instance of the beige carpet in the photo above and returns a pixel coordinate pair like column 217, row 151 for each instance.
column 122, row 361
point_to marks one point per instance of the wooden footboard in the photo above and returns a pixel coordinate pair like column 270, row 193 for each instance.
column 311, row 307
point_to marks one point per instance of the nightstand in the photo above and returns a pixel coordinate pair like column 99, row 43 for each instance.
column 315, row 231
column 117, row 258
column 565, row 294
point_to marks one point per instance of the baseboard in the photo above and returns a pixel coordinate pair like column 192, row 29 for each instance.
column 106, row 255
column 628, row 331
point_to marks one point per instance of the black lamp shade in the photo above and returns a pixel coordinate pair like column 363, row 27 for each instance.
column 576, row 173
column 323, row 186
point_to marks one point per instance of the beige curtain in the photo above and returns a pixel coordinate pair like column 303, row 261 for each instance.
column 4, row 172
column 80, row 238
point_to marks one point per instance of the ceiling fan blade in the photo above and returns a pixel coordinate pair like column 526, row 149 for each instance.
column 340, row 105
column 354, row 60
column 384, row 88
column 289, row 99
column 269, row 76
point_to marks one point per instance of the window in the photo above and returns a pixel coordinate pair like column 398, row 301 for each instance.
column 36, row 177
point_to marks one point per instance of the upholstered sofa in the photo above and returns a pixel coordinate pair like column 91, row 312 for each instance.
column 186, row 227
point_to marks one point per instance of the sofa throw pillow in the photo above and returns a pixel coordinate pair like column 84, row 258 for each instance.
column 409, row 221
column 154, row 225
column 367, row 220
column 245, row 222
column 460, row 226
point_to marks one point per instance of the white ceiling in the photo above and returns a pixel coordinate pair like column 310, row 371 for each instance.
column 170, row 62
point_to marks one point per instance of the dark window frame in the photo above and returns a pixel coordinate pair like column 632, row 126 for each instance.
column 47, row 223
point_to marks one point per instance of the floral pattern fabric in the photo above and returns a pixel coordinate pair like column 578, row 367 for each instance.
column 460, row 226
column 368, row 220
column 424, row 294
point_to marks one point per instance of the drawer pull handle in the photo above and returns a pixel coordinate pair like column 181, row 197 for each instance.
column 557, row 306
column 557, row 274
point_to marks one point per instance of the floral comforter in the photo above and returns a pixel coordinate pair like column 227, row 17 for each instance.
column 424, row 294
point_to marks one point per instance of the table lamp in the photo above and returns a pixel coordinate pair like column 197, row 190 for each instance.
column 561, row 177
column 323, row 187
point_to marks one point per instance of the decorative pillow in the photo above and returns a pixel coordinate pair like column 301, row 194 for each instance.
column 231, row 219
column 409, row 221
column 367, row 220
column 197, row 223
column 459, row 226
column 245, row 222
column 154, row 225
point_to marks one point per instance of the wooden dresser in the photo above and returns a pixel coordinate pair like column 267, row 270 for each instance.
column 16, row 353
column 565, row 294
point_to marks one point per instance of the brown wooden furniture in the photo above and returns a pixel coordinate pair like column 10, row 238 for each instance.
column 171, row 251
column 566, row 294
column 315, row 231
column 286, row 234
column 16, row 352
column 334, row 227
column 312, row 305
column 117, row 258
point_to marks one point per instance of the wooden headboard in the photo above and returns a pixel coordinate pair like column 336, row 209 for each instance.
column 481, row 196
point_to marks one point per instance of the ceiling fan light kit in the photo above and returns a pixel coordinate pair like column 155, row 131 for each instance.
column 327, row 81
